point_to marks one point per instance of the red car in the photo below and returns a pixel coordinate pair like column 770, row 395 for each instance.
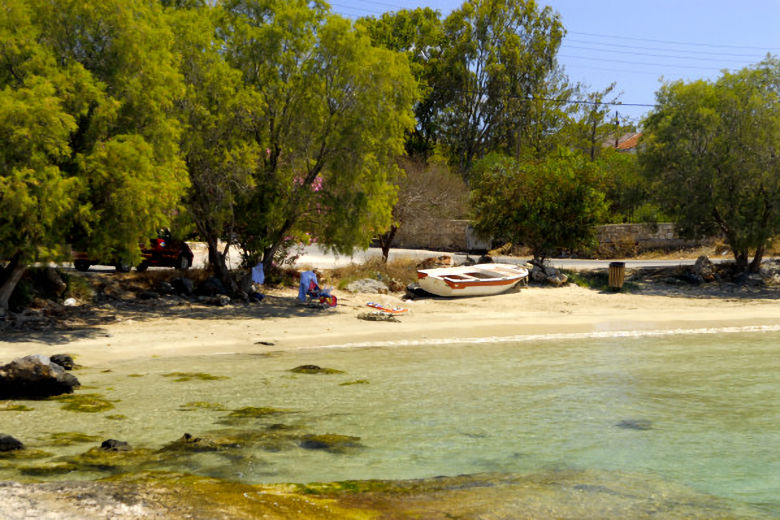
column 162, row 251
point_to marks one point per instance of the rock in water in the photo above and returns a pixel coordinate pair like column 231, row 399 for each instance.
column 8, row 443
column 35, row 376
column 63, row 360
column 115, row 445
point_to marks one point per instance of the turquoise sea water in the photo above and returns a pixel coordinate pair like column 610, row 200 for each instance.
column 695, row 410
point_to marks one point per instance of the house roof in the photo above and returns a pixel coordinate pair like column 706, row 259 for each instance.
column 629, row 142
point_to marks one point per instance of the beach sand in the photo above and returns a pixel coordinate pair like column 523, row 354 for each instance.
column 280, row 322
column 180, row 328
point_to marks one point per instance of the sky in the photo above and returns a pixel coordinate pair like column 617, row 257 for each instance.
column 637, row 44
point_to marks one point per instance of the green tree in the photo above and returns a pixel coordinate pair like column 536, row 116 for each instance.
column 332, row 114
column 417, row 33
column 593, row 127
column 711, row 150
column 546, row 204
column 499, row 55
column 90, row 146
column 625, row 188
column 216, row 142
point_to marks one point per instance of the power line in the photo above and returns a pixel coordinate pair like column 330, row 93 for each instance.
column 624, row 46
column 671, row 42
column 671, row 56
column 663, row 65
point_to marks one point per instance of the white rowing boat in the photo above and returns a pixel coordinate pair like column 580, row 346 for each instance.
column 471, row 280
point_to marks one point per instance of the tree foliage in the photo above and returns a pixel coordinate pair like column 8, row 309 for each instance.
column 498, row 57
column 711, row 149
column 418, row 34
column 546, row 204
column 89, row 149
column 216, row 143
column 331, row 119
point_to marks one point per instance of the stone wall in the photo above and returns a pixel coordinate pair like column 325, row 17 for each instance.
column 642, row 236
column 440, row 235
column 457, row 235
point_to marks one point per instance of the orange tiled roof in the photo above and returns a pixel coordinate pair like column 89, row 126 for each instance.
column 629, row 143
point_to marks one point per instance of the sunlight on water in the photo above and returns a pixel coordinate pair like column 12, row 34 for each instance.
column 700, row 411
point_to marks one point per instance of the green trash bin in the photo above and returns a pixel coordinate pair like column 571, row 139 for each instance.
column 617, row 272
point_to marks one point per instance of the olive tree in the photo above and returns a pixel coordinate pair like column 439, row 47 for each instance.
column 711, row 151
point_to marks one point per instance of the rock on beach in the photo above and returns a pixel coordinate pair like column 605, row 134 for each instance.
column 34, row 377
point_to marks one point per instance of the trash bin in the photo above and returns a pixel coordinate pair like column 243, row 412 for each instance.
column 617, row 271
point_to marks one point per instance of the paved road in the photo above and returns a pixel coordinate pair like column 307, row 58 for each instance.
column 313, row 257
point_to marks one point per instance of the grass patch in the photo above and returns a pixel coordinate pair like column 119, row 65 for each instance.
column 597, row 280
column 79, row 287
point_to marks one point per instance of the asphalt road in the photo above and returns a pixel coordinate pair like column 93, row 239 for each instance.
column 314, row 258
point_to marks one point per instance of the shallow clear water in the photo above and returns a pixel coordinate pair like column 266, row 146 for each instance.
column 699, row 410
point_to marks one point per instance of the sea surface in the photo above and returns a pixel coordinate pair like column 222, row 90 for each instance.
column 698, row 410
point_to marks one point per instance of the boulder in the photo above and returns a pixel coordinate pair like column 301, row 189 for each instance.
column 33, row 377
column 115, row 445
column 63, row 360
column 704, row 269
column 8, row 443
column 183, row 286
column 538, row 274
column 165, row 287
column 212, row 286
column 436, row 261
column 558, row 279
column 368, row 285
column 148, row 295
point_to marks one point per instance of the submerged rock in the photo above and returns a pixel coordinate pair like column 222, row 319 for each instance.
column 35, row 376
column 63, row 360
column 314, row 369
column 8, row 443
column 635, row 424
column 329, row 442
column 115, row 445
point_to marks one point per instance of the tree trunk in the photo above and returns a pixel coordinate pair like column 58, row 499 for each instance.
column 219, row 267
column 386, row 240
column 9, row 277
column 755, row 265
column 741, row 259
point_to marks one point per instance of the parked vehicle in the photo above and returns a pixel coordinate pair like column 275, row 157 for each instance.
column 474, row 280
column 163, row 251
column 166, row 252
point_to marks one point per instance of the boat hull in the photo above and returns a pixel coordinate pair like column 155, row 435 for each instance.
column 476, row 280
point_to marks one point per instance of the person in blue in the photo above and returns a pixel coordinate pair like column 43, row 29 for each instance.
column 258, row 279
column 309, row 288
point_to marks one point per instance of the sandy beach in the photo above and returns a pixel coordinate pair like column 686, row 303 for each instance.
column 280, row 322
